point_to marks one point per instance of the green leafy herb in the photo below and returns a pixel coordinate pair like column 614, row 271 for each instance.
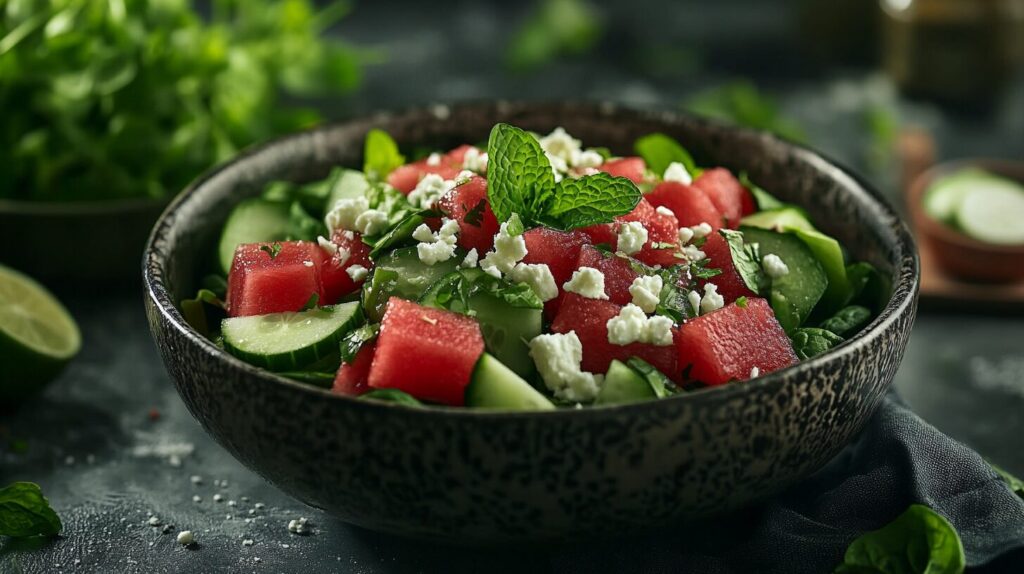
column 700, row 270
column 24, row 511
column 218, row 284
column 741, row 302
column 514, row 226
column 743, row 104
column 869, row 287
column 475, row 216
column 811, row 341
column 847, row 320
column 659, row 383
column 660, row 150
column 917, row 541
column 392, row 396
column 311, row 303
column 589, row 200
column 272, row 250
column 672, row 301
column 303, row 226
column 747, row 261
column 355, row 339
column 764, row 200
column 554, row 28
column 1015, row 484
column 204, row 310
column 398, row 235
column 455, row 290
column 380, row 155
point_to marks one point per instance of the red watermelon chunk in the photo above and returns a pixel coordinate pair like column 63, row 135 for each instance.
column 353, row 378
column 690, row 205
column 405, row 178
column 334, row 274
column 727, row 344
column 730, row 284
column 725, row 191
column 260, row 283
column 589, row 318
column 559, row 250
column 426, row 352
column 467, row 204
column 618, row 273
column 661, row 229
column 456, row 156
column 632, row 168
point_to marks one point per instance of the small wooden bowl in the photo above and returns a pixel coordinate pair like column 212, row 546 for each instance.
column 957, row 254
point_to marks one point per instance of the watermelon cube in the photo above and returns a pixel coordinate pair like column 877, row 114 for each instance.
column 274, row 277
column 618, row 273
column 559, row 250
column 426, row 352
column 589, row 318
column 334, row 273
column 730, row 284
column 728, row 344
column 405, row 178
column 632, row 168
column 456, row 156
column 690, row 205
column 353, row 378
column 662, row 230
column 467, row 204
column 726, row 192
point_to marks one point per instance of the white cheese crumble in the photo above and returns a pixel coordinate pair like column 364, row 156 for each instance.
column 662, row 210
column 702, row 229
column 508, row 250
column 354, row 214
column 774, row 266
column 538, row 277
column 327, row 245
column 693, row 254
column 434, row 159
column 646, row 292
column 307, row 263
column 357, row 272
column 632, row 325
column 247, row 542
column 154, row 521
column 436, row 247
column 470, row 260
column 693, row 297
column 755, row 372
column 560, row 144
column 711, row 300
column 299, row 526
column 185, row 538
column 677, row 172
column 475, row 160
column 558, row 166
column 632, row 237
column 588, row 282
column 586, row 159
column 685, row 235
column 558, row 357
column 429, row 190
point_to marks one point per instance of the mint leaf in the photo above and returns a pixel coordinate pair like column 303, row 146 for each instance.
column 919, row 540
column 272, row 250
column 475, row 216
column 591, row 199
column 455, row 291
column 355, row 339
column 398, row 235
column 314, row 298
column 660, row 150
column 24, row 511
column 747, row 261
column 741, row 301
column 810, row 341
column 302, row 225
column 514, row 226
column 203, row 310
column 380, row 155
column 519, row 176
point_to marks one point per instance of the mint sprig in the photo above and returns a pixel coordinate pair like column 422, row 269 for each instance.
column 746, row 258
column 520, row 181
column 24, row 511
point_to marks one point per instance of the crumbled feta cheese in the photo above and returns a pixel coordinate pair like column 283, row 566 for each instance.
column 662, row 210
column 560, row 144
column 659, row 331
column 558, row 358
column 774, row 266
column 429, row 190
column 186, row 538
column 701, row 230
column 470, row 260
column 538, row 277
column 588, row 282
column 307, row 263
column 632, row 325
column 436, row 247
column 558, row 166
column 298, row 526
column 247, row 542
column 423, row 233
column 711, row 300
column 685, row 235
column 587, row 159
column 434, row 159
column 327, row 245
column 677, row 172
column 693, row 297
column 154, row 521
column 492, row 271
column 632, row 236
column 371, row 222
column 693, row 254
column 475, row 160
column 646, row 292
column 755, row 372
column 508, row 250
column 357, row 272
column 345, row 211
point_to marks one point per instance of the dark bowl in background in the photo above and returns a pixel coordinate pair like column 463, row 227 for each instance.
column 468, row 476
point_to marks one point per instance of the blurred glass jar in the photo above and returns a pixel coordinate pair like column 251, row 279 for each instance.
column 956, row 51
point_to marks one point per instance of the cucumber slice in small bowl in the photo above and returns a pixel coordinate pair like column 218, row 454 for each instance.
column 993, row 212
column 290, row 341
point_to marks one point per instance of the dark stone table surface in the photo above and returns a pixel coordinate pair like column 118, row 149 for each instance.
column 111, row 443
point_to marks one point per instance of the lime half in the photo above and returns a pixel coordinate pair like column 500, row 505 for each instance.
column 37, row 336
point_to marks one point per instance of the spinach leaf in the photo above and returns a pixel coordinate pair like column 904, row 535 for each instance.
column 24, row 511
column 355, row 339
column 589, row 200
column 810, row 341
column 847, row 320
column 868, row 286
column 204, row 310
column 764, row 200
column 746, row 258
column 392, row 396
column 303, row 226
column 659, row 150
column 380, row 155
column 398, row 235
column 919, row 541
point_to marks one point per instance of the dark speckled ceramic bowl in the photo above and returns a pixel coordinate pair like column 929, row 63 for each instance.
column 470, row 476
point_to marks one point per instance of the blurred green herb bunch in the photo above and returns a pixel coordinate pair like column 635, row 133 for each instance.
column 108, row 99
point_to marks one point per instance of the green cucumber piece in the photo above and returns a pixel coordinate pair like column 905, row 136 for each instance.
column 623, row 385
column 945, row 195
column 289, row 341
column 401, row 274
column 348, row 184
column 252, row 221
column 495, row 386
column 794, row 295
column 993, row 212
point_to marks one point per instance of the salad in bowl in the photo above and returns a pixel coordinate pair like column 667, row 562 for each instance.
column 529, row 272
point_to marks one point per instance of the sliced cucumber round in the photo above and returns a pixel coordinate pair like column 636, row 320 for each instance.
column 289, row 341
column 623, row 385
column 252, row 221
column 993, row 212
column 495, row 386
column 945, row 196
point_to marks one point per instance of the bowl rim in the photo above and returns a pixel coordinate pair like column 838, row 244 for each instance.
column 906, row 271
column 924, row 223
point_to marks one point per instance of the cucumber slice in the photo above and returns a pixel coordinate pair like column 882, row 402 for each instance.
column 252, row 221
column 943, row 198
column 795, row 294
column 348, row 184
column 401, row 274
column 495, row 386
column 623, row 385
column 289, row 341
column 993, row 212
column 782, row 218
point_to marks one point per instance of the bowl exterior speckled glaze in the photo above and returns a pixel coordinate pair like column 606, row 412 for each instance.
column 492, row 477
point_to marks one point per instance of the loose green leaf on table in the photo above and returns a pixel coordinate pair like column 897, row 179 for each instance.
column 24, row 511
column 380, row 155
column 919, row 541
column 811, row 341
